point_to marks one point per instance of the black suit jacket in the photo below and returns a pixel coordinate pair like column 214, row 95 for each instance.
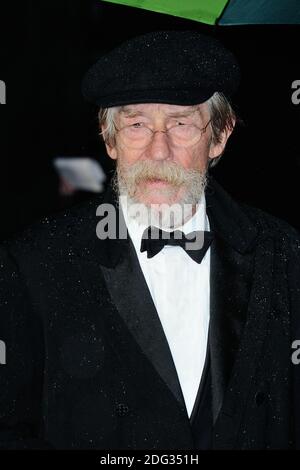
column 88, row 364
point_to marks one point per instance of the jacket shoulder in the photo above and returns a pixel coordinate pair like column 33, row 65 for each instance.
column 56, row 232
column 273, row 226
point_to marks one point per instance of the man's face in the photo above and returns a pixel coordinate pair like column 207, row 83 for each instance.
column 163, row 171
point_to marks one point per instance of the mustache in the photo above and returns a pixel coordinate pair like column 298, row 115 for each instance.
column 165, row 171
column 130, row 179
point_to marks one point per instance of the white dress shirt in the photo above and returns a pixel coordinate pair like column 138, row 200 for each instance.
column 180, row 291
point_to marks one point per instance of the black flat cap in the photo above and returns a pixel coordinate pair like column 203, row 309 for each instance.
column 174, row 67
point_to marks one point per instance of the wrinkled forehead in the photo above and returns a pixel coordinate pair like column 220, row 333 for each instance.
column 149, row 109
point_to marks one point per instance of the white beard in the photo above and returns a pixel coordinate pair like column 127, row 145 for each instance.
column 165, row 216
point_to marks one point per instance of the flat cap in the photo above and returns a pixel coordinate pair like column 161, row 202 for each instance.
column 174, row 67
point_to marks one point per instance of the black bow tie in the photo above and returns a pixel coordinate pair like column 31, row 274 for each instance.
column 195, row 243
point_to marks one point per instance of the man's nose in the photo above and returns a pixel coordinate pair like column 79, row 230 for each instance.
column 159, row 147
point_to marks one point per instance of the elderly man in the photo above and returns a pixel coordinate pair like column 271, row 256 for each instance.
column 177, row 332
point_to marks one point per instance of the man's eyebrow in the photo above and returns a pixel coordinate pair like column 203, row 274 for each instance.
column 188, row 112
column 130, row 112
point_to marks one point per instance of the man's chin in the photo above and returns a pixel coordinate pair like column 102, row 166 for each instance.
column 158, row 192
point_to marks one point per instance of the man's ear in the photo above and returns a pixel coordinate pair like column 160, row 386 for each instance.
column 216, row 149
column 110, row 149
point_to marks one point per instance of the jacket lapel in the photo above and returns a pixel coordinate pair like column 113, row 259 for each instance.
column 230, row 281
column 241, row 282
column 246, row 361
column 125, row 282
column 130, row 294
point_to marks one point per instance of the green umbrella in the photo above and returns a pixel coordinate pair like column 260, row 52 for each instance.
column 224, row 12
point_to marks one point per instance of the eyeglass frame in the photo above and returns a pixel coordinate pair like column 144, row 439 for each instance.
column 201, row 129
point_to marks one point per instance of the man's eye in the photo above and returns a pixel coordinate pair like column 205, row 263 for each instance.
column 180, row 123
column 137, row 124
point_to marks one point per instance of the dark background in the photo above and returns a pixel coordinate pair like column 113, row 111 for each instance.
column 46, row 47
